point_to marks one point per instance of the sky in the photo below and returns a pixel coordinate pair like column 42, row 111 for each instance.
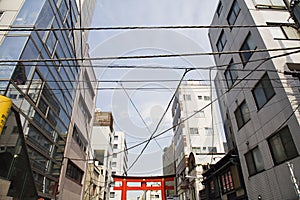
column 137, row 111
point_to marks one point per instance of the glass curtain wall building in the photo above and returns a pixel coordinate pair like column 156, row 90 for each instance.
column 41, row 83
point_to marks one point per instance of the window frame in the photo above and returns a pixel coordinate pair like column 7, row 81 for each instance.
column 242, row 115
column 194, row 131
column 251, row 161
column 285, row 31
column 270, row 5
column 263, row 87
column 70, row 172
column 282, row 134
column 229, row 72
column 226, row 182
column 247, row 46
column 222, row 40
column 219, row 8
column 234, row 11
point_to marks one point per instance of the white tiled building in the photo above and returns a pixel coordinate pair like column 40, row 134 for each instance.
column 258, row 102
column 101, row 143
column 196, row 133
column 119, row 161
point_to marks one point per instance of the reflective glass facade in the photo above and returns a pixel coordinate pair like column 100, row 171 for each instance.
column 41, row 85
column 16, row 178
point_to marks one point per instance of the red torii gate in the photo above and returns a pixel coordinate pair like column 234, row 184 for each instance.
column 143, row 186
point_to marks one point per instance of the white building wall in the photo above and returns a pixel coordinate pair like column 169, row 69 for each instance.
column 274, row 182
column 102, row 137
column 195, row 98
column 121, row 159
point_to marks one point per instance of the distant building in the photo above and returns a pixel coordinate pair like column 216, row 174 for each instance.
column 94, row 182
column 151, row 195
column 169, row 165
column 102, row 148
column 119, row 161
column 258, row 91
column 195, row 133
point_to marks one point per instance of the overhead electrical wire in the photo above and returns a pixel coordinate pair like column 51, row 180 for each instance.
column 18, row 29
column 139, row 114
column 187, row 118
column 149, row 56
column 161, row 118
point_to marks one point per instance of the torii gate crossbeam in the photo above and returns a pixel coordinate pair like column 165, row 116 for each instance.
column 143, row 184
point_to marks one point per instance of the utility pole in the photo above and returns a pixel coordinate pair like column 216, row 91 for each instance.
column 293, row 178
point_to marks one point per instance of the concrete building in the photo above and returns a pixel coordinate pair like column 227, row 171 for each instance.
column 102, row 146
column 45, row 92
column 151, row 195
column 169, row 166
column 119, row 161
column 196, row 134
column 258, row 98
column 94, row 182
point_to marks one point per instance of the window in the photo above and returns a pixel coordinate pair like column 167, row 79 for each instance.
column 74, row 172
column 290, row 32
column 200, row 97
column 221, row 41
column 112, row 195
column 208, row 131
column 116, row 137
column 206, row 98
column 187, row 97
column 115, row 155
column 199, row 114
column 226, row 182
column 263, row 91
column 248, row 45
column 196, row 150
column 212, row 149
column 113, row 164
column 115, row 146
column 282, row 146
column 254, row 161
column 77, row 136
column 242, row 114
column 84, row 109
column 231, row 74
column 269, row 4
column 219, row 8
column 194, row 131
column 233, row 13
column 88, row 86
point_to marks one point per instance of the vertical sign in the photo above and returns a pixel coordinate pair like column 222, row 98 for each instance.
column 5, row 105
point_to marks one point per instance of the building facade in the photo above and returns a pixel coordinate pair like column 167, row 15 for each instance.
column 102, row 148
column 44, row 86
column 119, row 162
column 169, row 166
column 258, row 99
column 194, row 132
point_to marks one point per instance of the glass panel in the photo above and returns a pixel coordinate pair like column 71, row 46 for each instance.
column 258, row 160
column 29, row 12
column 277, row 149
column 35, row 87
column 250, row 163
column 239, row 119
column 288, row 143
column 259, row 96
column 268, row 88
column 10, row 49
column 245, row 112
